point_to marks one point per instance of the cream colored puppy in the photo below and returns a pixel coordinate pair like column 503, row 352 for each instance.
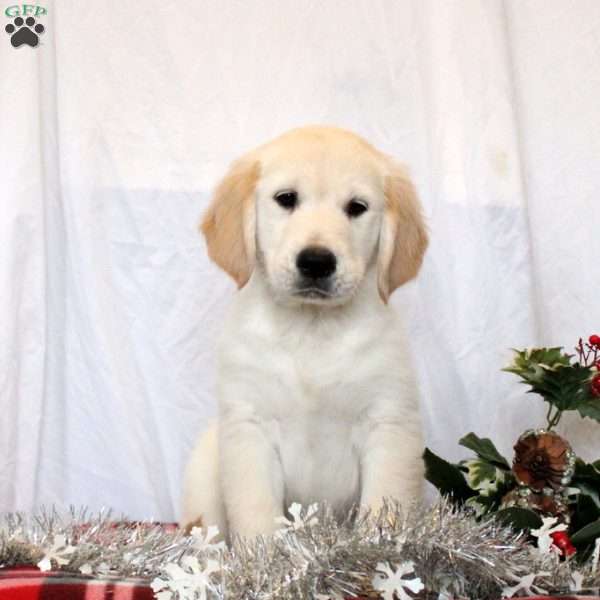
column 317, row 398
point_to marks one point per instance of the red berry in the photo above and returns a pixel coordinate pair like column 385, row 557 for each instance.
column 595, row 386
column 594, row 340
column 563, row 542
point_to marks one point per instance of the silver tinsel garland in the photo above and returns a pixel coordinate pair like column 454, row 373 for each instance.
column 312, row 556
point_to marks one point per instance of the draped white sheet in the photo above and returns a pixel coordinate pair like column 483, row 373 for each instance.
column 116, row 127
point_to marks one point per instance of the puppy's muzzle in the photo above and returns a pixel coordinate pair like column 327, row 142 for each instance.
column 316, row 263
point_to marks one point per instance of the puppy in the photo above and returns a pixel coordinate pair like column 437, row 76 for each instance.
column 317, row 398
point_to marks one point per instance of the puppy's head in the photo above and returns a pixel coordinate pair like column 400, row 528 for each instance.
column 314, row 210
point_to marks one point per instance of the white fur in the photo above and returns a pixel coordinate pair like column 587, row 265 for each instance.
column 317, row 399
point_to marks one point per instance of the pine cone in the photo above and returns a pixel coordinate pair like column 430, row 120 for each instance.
column 543, row 459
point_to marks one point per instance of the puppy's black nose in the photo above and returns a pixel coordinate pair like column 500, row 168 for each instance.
column 316, row 262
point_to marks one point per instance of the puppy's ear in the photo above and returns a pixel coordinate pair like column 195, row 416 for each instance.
column 229, row 224
column 403, row 239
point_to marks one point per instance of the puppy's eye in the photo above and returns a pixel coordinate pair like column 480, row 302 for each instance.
column 287, row 199
column 356, row 207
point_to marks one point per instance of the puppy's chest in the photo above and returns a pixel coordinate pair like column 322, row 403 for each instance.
column 317, row 383
column 300, row 375
column 319, row 460
column 314, row 396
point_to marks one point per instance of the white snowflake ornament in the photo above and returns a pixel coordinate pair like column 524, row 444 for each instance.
column 299, row 521
column 525, row 585
column 204, row 540
column 576, row 583
column 390, row 582
column 103, row 568
column 189, row 581
column 543, row 534
column 164, row 595
column 58, row 552
column 596, row 556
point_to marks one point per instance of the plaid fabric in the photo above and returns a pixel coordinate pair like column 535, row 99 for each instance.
column 29, row 583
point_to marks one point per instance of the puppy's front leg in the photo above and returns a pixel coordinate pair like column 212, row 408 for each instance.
column 252, row 481
column 391, row 465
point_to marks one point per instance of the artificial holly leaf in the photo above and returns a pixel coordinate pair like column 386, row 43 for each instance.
column 531, row 363
column 586, row 535
column 587, row 479
column 446, row 477
column 519, row 518
column 590, row 408
column 479, row 474
column 549, row 372
column 481, row 504
column 585, row 512
column 565, row 388
column 592, row 490
column 482, row 476
column 586, row 471
column 484, row 448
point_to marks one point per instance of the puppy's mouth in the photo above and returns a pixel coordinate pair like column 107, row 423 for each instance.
column 313, row 292
column 314, row 288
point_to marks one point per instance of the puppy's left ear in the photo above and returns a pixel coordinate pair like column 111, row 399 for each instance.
column 229, row 224
column 403, row 239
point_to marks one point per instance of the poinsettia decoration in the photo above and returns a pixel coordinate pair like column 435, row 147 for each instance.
column 545, row 478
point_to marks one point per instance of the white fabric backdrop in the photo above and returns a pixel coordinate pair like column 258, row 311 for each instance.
column 114, row 130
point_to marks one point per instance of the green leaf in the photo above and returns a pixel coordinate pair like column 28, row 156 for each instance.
column 519, row 518
column 446, row 477
column 484, row 448
column 481, row 504
column 585, row 512
column 590, row 490
column 549, row 372
column 483, row 476
column 586, row 471
column 586, row 535
column 587, row 479
column 567, row 389
column 590, row 408
column 530, row 364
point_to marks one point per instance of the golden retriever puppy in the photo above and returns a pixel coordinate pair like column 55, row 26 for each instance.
column 317, row 398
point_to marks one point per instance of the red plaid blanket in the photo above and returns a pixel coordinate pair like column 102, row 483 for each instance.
column 29, row 583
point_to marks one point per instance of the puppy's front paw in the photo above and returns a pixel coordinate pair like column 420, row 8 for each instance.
column 373, row 507
column 195, row 523
column 251, row 526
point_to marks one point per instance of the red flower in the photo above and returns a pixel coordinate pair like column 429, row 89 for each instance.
column 594, row 340
column 563, row 542
column 595, row 386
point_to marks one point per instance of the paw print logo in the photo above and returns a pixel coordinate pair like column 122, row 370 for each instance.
column 24, row 32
